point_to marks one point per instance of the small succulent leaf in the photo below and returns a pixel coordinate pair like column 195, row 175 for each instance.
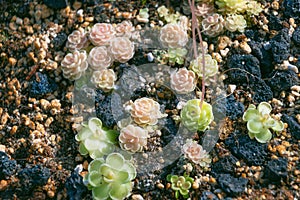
column 254, row 126
column 94, row 178
column 264, row 136
column 279, row 126
column 186, row 185
column 105, row 148
column 91, row 144
column 95, row 165
column 94, row 124
column 130, row 169
column 183, row 192
column 250, row 114
column 169, row 177
column 108, row 173
column 174, row 178
column 101, row 192
column 270, row 123
column 112, row 135
column 264, row 108
column 251, row 106
column 177, row 194
column 174, row 186
column 181, row 179
column 82, row 150
column 115, row 160
column 120, row 191
column 251, row 135
column 83, row 134
column 189, row 179
column 96, row 154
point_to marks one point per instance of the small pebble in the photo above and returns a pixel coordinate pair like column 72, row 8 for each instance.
column 160, row 186
column 137, row 197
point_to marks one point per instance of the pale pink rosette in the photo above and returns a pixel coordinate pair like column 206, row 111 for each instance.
column 77, row 40
column 74, row 64
column 133, row 138
column 102, row 34
column 173, row 36
column 124, row 29
column 183, row 81
column 99, row 58
column 121, row 49
column 104, row 79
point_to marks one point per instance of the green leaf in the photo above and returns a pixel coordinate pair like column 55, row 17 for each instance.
column 96, row 154
column 169, row 177
column 279, row 126
column 95, row 164
column 174, row 178
column 186, row 185
column 108, row 173
column 120, row 191
column 94, row 178
column 183, row 192
column 251, row 114
column 94, row 124
column 83, row 134
column 91, row 144
column 254, row 126
column 115, row 160
column 82, row 150
column 112, row 136
column 130, row 169
column 264, row 136
column 251, row 135
column 101, row 192
column 264, row 108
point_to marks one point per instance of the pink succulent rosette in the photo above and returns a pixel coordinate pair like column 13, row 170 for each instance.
column 124, row 29
column 196, row 153
column 121, row 49
column 173, row 36
column 74, row 64
column 133, row 138
column 77, row 40
column 204, row 9
column 183, row 81
column 145, row 111
column 101, row 34
column 213, row 25
column 104, row 79
column 99, row 58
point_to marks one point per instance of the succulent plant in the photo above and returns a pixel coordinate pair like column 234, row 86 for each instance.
column 177, row 56
column 110, row 178
column 104, row 79
column 231, row 6
column 195, row 118
column 253, row 8
column 235, row 23
column 74, row 64
column 183, row 81
column 94, row 140
column 133, row 138
column 211, row 65
column 213, row 25
column 180, row 184
column 259, row 122
column 195, row 152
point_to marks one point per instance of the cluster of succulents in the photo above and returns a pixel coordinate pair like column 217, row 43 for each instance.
column 180, row 184
column 96, row 50
column 259, row 122
column 110, row 178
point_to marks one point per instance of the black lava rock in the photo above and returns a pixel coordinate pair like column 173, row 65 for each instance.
column 231, row 185
column 56, row 4
column 296, row 36
column 168, row 131
column 294, row 126
column 274, row 22
column 281, row 80
column 75, row 187
column 292, row 8
column 224, row 165
column 33, row 177
column 7, row 167
column 247, row 63
column 103, row 106
column 59, row 41
column 41, row 85
column 207, row 195
column 234, row 109
column 251, row 151
column 92, row 2
column 23, row 10
column 280, row 51
column 276, row 170
column 260, row 90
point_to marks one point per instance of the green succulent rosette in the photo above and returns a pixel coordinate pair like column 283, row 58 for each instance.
column 180, row 184
column 259, row 122
column 195, row 118
column 110, row 178
column 94, row 140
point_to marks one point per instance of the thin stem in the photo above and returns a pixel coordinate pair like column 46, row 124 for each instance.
column 195, row 26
